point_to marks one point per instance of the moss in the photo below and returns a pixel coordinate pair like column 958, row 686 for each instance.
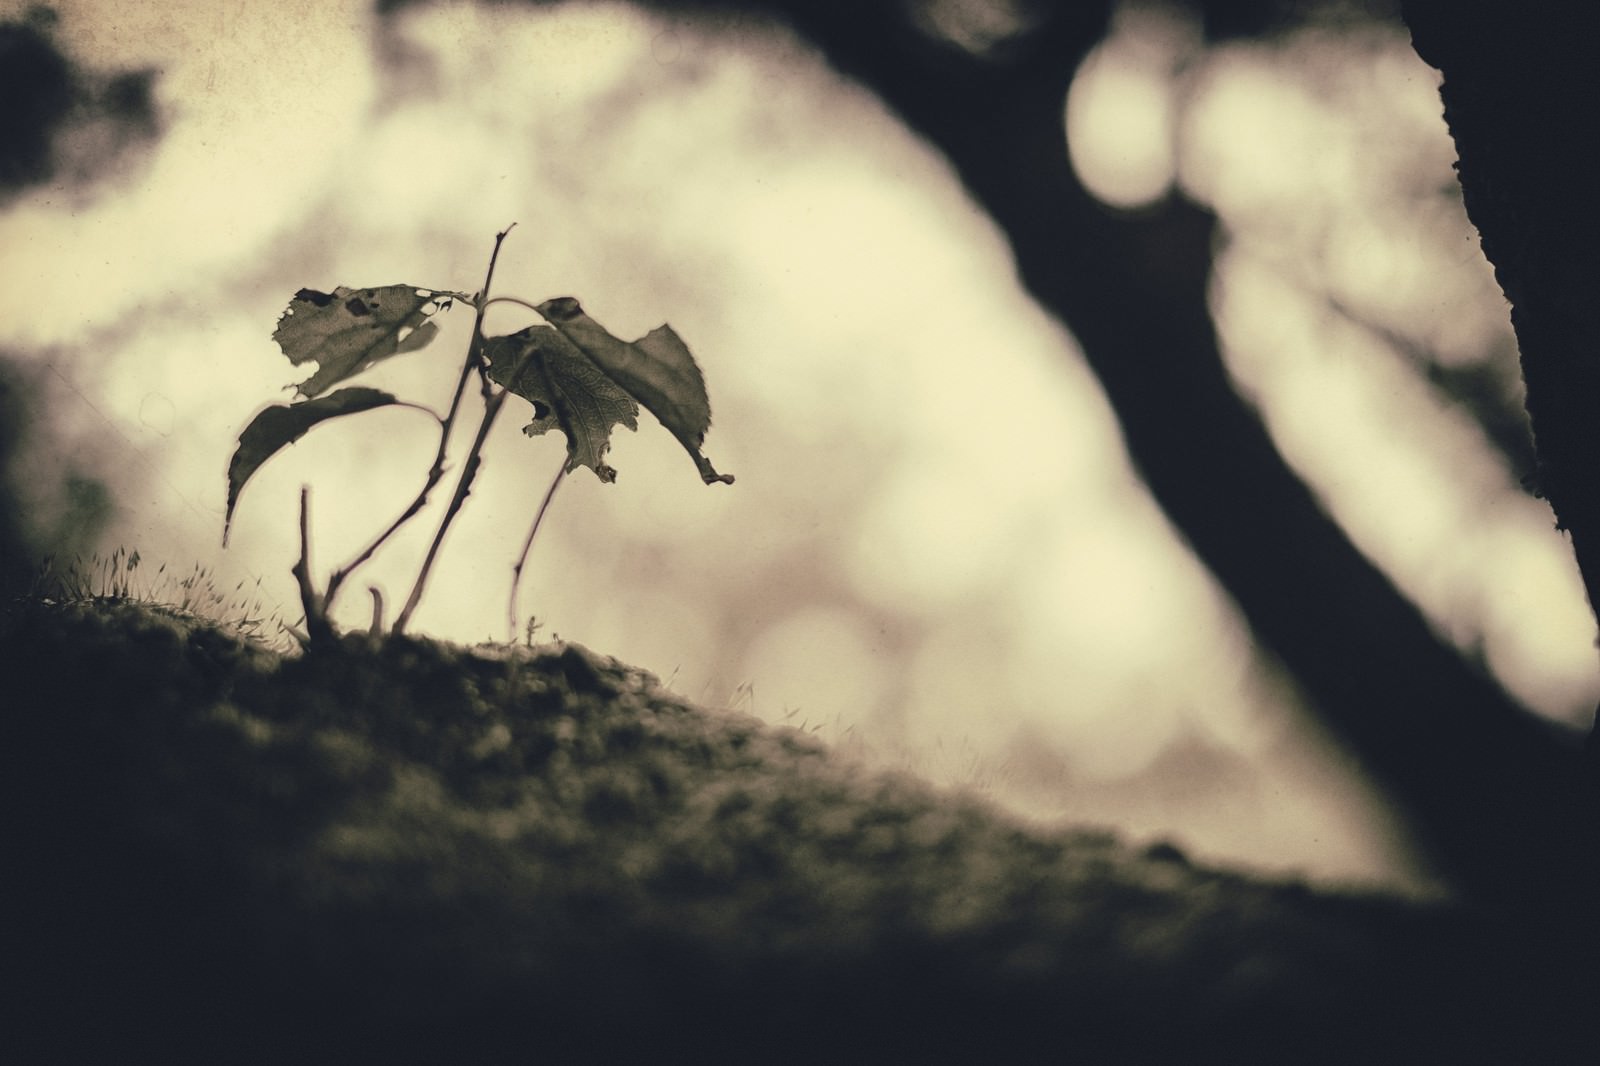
column 406, row 850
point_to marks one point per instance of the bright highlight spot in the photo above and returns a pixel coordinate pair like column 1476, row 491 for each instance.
column 1120, row 111
column 827, row 653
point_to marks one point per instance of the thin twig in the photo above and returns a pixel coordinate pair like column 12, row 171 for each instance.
column 493, row 402
column 527, row 545
column 446, row 426
column 319, row 631
column 435, row 475
column 376, row 629
column 469, row 471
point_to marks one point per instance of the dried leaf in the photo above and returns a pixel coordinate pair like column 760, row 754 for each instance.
column 568, row 392
column 657, row 370
column 283, row 424
column 348, row 330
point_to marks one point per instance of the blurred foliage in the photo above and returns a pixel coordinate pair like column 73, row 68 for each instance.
column 48, row 95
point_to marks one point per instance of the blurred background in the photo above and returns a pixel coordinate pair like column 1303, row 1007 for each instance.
column 938, row 555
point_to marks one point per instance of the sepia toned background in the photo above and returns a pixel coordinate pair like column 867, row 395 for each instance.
column 937, row 554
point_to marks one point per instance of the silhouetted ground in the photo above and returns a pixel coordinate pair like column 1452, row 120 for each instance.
column 408, row 851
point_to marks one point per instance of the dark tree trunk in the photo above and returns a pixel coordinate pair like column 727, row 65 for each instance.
column 1492, row 794
column 1520, row 94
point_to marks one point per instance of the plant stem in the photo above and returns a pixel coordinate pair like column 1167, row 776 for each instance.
column 469, row 470
column 493, row 401
column 376, row 629
column 319, row 631
column 446, row 425
column 519, row 301
column 527, row 545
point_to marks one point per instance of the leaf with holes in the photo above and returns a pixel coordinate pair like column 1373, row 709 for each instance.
column 568, row 392
column 657, row 370
column 283, row 424
column 348, row 330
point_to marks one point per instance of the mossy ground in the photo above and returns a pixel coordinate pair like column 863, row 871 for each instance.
column 402, row 850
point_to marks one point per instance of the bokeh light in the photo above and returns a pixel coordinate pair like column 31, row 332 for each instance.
column 936, row 553
column 1121, row 113
column 1351, row 279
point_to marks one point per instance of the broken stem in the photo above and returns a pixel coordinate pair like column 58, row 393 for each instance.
column 319, row 631
column 446, row 425
column 376, row 629
column 527, row 545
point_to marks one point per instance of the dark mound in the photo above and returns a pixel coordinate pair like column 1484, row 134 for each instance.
column 407, row 851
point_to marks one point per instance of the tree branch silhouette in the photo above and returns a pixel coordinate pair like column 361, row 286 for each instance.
column 1493, row 795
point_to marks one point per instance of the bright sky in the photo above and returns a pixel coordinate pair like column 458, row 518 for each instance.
column 935, row 553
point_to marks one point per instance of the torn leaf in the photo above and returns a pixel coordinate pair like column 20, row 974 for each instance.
column 568, row 392
column 348, row 330
column 657, row 370
column 283, row 424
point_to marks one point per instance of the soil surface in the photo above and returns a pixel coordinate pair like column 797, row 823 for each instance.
column 408, row 851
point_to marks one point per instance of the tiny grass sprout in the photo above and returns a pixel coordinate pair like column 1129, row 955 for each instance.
column 194, row 597
column 577, row 376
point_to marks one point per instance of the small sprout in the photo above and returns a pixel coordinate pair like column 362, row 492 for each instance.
column 575, row 375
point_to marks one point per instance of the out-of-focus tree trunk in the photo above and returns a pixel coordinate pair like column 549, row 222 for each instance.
column 1520, row 93
column 1494, row 797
